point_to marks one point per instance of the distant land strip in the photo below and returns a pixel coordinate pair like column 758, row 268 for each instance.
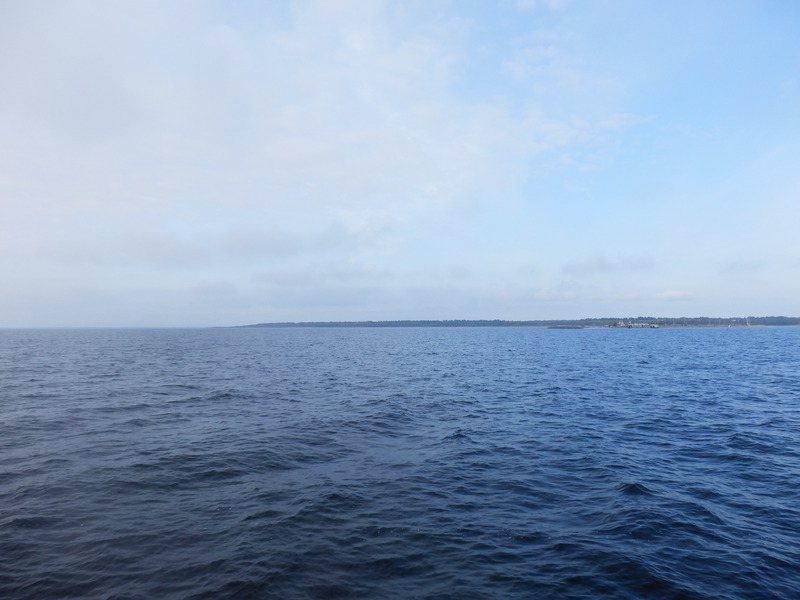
column 563, row 323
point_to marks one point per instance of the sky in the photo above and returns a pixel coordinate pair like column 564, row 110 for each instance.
column 212, row 163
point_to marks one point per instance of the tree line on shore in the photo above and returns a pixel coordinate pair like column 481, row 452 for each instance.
column 599, row 322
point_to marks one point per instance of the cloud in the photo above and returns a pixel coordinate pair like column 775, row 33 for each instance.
column 255, row 244
column 674, row 295
column 600, row 265
column 528, row 5
column 241, row 158
column 312, row 277
column 746, row 266
column 174, row 119
column 179, row 250
column 140, row 113
column 554, row 294
column 213, row 289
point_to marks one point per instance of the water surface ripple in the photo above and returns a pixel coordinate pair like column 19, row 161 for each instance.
column 495, row 463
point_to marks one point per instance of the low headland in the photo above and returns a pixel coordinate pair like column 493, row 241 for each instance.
column 621, row 322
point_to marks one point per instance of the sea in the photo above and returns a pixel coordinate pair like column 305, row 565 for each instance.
column 399, row 463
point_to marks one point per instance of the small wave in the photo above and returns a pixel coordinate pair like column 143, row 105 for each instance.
column 750, row 442
column 33, row 522
column 137, row 423
column 635, row 489
column 300, row 464
column 457, row 435
column 268, row 514
column 122, row 408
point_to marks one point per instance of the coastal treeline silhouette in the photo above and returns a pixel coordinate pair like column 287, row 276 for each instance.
column 599, row 322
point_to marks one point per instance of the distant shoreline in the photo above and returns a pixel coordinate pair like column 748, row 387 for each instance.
column 609, row 322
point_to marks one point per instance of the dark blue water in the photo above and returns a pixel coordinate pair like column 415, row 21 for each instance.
column 400, row 463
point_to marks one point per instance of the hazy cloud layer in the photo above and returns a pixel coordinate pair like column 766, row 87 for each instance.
column 201, row 163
